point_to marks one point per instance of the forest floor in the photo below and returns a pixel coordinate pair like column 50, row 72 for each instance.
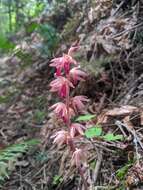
column 116, row 98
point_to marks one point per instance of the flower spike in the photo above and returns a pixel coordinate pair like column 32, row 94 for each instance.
column 67, row 75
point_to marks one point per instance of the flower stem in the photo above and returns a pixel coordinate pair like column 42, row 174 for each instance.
column 83, row 178
column 71, row 143
column 68, row 104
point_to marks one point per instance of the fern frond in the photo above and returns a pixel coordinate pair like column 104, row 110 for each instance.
column 9, row 155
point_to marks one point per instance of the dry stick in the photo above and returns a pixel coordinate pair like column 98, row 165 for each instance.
column 95, row 143
column 104, row 148
column 83, row 178
column 115, row 145
column 132, row 132
column 128, row 30
column 97, row 167
column 119, row 7
column 114, row 79
column 136, row 138
column 98, row 163
column 120, row 127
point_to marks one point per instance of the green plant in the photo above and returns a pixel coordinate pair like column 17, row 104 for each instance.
column 112, row 137
column 86, row 117
column 121, row 173
column 39, row 102
column 25, row 57
column 41, row 157
column 71, row 26
column 31, row 27
column 93, row 132
column 50, row 39
column 92, row 164
column 9, row 155
column 39, row 116
column 57, row 180
column 96, row 131
column 5, row 44
column 8, row 96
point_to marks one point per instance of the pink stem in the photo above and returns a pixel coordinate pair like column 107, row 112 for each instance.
column 68, row 105
column 71, row 143
column 83, row 178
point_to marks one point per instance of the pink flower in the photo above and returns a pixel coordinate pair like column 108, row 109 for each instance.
column 77, row 75
column 61, row 137
column 77, row 102
column 76, row 128
column 61, row 85
column 60, row 109
column 61, row 63
column 78, row 157
column 72, row 49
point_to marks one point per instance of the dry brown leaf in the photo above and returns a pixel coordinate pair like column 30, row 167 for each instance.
column 122, row 111
column 128, row 123
column 135, row 175
column 102, row 118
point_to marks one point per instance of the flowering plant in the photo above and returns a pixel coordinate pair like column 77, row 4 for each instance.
column 67, row 75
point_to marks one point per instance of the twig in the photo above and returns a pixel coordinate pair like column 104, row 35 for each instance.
column 105, row 187
column 128, row 30
column 119, row 7
column 120, row 127
column 114, row 79
column 98, row 165
column 133, row 132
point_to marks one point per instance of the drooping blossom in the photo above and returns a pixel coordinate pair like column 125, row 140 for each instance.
column 78, row 157
column 60, row 110
column 77, row 102
column 77, row 75
column 76, row 128
column 61, row 137
column 61, row 85
column 72, row 49
column 63, row 63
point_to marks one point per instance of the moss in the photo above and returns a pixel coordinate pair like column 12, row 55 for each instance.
column 69, row 30
column 95, row 66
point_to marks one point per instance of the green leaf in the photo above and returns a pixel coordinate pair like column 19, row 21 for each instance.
column 32, row 142
column 92, row 164
column 39, row 116
column 93, row 132
column 85, row 117
column 31, row 27
column 121, row 173
column 3, row 169
column 112, row 137
column 5, row 44
column 3, row 99
column 57, row 179
column 10, row 155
